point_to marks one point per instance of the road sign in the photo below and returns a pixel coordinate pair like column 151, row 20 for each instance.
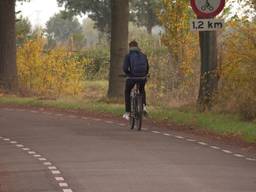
column 206, row 24
column 207, row 8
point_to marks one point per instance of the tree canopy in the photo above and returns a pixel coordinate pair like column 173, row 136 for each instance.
column 60, row 29
column 143, row 13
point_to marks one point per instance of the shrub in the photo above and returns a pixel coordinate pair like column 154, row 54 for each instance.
column 51, row 73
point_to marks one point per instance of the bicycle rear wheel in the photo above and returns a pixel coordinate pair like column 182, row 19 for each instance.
column 139, row 112
column 133, row 112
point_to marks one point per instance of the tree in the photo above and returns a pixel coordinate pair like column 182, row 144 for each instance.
column 23, row 29
column 62, row 30
column 144, row 13
column 119, row 33
column 119, row 39
column 175, row 17
column 8, row 70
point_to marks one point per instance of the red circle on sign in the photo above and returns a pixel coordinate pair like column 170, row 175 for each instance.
column 201, row 14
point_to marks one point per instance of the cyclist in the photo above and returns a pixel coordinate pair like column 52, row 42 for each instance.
column 136, row 67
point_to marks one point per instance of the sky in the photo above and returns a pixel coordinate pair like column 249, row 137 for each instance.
column 38, row 11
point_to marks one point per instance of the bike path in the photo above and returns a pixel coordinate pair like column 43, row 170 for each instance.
column 44, row 151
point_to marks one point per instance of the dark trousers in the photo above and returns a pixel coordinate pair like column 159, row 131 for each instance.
column 128, row 87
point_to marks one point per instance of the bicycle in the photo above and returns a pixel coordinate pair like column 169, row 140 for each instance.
column 137, row 113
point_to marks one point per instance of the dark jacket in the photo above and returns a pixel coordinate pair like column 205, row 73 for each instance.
column 127, row 64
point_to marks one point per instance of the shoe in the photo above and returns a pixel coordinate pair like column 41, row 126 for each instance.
column 126, row 116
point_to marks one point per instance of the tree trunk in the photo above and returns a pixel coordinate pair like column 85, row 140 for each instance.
column 119, row 41
column 8, row 70
column 209, row 74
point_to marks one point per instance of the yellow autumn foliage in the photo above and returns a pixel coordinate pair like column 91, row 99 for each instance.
column 183, row 50
column 52, row 73
column 238, row 68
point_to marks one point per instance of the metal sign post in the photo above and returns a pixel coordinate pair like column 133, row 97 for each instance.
column 205, row 11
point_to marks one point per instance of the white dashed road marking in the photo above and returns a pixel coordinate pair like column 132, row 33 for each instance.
column 191, row 140
column 63, row 184
column 47, row 163
column 227, row 151
column 215, row 147
column 202, row 143
column 250, row 159
column 238, row 155
column 59, row 178
column 179, row 137
column 56, row 172
column 52, row 168
column 156, row 132
column 67, row 190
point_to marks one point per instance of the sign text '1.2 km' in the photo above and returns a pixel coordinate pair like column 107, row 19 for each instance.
column 206, row 24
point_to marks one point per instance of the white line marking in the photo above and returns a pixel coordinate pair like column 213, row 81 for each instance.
column 25, row 149
column 52, row 167
column 122, row 124
column 63, row 184
column 145, row 129
column 7, row 139
column 191, row 140
column 13, row 142
column 202, row 143
column 59, row 178
column 227, row 151
column 67, row 190
column 47, row 163
column 215, row 147
column 56, row 172
column 179, row 137
column 238, row 155
column 167, row 134
column 84, row 118
column 1, row 137
column 42, row 159
column 31, row 152
column 72, row 116
column 19, row 145
column 109, row 122
column 156, row 132
column 250, row 159
column 95, row 119
column 37, row 155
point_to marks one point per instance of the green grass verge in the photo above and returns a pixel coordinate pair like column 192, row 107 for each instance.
column 222, row 124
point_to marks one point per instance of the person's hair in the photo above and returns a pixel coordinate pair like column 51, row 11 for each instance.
column 133, row 44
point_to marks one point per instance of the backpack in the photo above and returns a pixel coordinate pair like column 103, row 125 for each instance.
column 138, row 64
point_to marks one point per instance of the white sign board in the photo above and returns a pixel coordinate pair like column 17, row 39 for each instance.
column 206, row 24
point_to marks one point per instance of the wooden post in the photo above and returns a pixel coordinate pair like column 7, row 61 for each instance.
column 209, row 74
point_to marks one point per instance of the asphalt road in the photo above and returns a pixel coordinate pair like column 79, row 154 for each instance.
column 52, row 152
